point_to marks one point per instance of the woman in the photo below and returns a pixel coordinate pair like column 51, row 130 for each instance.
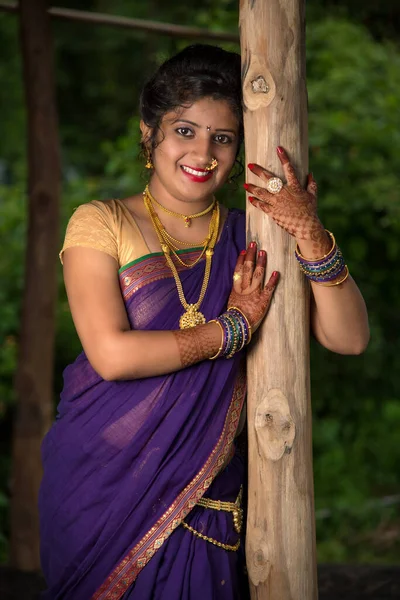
column 143, row 446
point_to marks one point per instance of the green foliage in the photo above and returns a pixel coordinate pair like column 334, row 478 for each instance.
column 354, row 93
column 354, row 96
column 12, row 108
column 12, row 234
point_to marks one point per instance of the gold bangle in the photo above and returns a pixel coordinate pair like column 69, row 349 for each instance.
column 222, row 341
column 321, row 257
column 246, row 319
column 333, row 283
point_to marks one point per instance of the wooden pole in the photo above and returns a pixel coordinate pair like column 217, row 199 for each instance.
column 280, row 530
column 169, row 29
column 34, row 375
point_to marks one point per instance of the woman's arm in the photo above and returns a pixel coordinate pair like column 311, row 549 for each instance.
column 339, row 318
column 113, row 349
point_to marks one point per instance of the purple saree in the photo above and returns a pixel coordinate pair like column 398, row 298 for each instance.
column 126, row 461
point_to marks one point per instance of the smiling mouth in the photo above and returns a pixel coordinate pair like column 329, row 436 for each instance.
column 195, row 172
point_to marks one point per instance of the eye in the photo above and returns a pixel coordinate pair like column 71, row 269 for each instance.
column 184, row 131
column 223, row 139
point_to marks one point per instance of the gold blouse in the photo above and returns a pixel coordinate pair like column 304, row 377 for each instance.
column 107, row 226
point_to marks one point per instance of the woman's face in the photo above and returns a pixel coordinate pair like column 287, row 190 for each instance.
column 190, row 139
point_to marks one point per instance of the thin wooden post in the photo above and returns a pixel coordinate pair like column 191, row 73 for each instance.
column 34, row 375
column 95, row 18
column 281, row 533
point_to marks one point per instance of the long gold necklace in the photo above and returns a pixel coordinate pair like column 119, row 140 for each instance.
column 162, row 232
column 176, row 244
column 192, row 315
column 187, row 218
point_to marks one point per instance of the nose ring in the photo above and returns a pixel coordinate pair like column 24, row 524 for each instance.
column 213, row 165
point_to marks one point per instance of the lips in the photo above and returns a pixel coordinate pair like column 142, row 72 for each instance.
column 198, row 175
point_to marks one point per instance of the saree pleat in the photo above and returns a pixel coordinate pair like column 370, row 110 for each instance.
column 188, row 568
column 126, row 461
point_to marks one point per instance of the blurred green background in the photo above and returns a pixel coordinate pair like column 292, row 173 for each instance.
column 353, row 66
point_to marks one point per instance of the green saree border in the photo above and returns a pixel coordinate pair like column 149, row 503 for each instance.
column 132, row 263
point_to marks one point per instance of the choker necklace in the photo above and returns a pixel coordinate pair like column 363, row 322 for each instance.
column 192, row 315
column 187, row 218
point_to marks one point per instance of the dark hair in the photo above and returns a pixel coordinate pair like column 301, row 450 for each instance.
column 197, row 72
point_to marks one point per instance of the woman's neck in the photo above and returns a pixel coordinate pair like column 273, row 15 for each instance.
column 179, row 205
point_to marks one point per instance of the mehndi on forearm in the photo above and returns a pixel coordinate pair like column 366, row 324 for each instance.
column 197, row 343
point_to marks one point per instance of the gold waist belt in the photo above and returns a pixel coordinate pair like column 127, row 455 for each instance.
column 233, row 507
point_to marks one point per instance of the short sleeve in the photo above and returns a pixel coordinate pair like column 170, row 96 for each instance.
column 91, row 226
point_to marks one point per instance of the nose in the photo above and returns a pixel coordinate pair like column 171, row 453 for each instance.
column 201, row 151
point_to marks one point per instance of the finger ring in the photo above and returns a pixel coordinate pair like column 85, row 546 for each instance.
column 237, row 276
column 274, row 185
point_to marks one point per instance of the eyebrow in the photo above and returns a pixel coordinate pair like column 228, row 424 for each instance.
column 199, row 126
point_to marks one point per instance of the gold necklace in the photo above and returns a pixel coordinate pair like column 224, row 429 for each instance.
column 187, row 218
column 175, row 243
column 170, row 239
column 162, row 233
column 192, row 316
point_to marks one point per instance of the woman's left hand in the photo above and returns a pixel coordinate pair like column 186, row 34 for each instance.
column 293, row 208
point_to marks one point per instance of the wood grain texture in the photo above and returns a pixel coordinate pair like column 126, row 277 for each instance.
column 280, row 547
column 34, row 376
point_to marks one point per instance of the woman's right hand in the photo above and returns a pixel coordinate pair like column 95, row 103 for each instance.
column 248, row 293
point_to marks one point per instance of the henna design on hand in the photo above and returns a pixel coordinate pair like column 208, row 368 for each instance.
column 195, row 344
column 248, row 294
column 247, row 274
column 294, row 208
column 254, row 305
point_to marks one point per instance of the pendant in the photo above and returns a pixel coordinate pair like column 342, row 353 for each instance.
column 188, row 221
column 191, row 318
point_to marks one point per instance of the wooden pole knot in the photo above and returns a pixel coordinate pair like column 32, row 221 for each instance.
column 257, row 561
column 259, row 85
column 259, row 558
column 275, row 428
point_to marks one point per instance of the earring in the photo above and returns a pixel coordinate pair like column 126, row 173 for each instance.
column 149, row 164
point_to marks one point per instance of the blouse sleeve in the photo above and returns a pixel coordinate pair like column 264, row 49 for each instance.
column 91, row 226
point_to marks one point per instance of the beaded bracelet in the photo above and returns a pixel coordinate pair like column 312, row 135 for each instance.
column 236, row 337
column 244, row 323
column 325, row 269
column 236, row 332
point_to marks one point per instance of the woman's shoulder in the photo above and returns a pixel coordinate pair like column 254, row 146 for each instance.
column 92, row 226
column 92, row 215
column 112, row 211
column 108, row 225
column 108, row 207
